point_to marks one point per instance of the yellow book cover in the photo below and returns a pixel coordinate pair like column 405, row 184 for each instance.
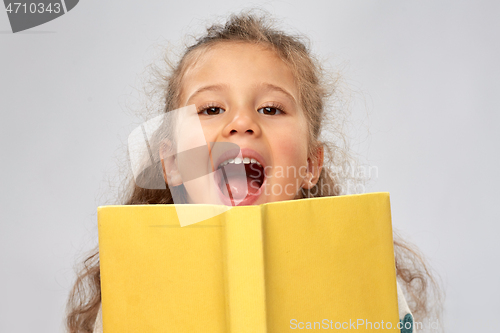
column 319, row 263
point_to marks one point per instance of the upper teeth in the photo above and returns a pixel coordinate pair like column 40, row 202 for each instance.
column 238, row 160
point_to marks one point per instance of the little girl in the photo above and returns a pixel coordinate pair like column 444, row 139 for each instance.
column 260, row 89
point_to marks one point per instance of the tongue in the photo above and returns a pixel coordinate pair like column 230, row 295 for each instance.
column 240, row 186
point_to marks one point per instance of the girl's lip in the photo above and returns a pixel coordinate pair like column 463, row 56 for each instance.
column 245, row 152
column 229, row 201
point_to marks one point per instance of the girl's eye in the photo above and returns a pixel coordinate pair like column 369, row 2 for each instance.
column 212, row 111
column 270, row 110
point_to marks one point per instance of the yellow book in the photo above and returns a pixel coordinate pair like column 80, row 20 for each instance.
column 320, row 263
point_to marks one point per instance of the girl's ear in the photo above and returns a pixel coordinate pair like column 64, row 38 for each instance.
column 171, row 172
column 314, row 167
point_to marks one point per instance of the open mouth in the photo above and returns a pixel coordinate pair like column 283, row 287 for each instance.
column 240, row 180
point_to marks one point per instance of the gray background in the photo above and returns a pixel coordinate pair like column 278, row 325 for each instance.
column 425, row 75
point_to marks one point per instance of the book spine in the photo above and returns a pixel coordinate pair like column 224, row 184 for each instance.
column 244, row 265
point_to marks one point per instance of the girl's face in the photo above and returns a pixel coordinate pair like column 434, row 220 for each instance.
column 246, row 95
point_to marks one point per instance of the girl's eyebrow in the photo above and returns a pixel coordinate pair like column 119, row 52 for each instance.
column 223, row 87
column 270, row 86
column 213, row 87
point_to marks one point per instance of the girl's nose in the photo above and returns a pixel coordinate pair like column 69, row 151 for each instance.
column 243, row 123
